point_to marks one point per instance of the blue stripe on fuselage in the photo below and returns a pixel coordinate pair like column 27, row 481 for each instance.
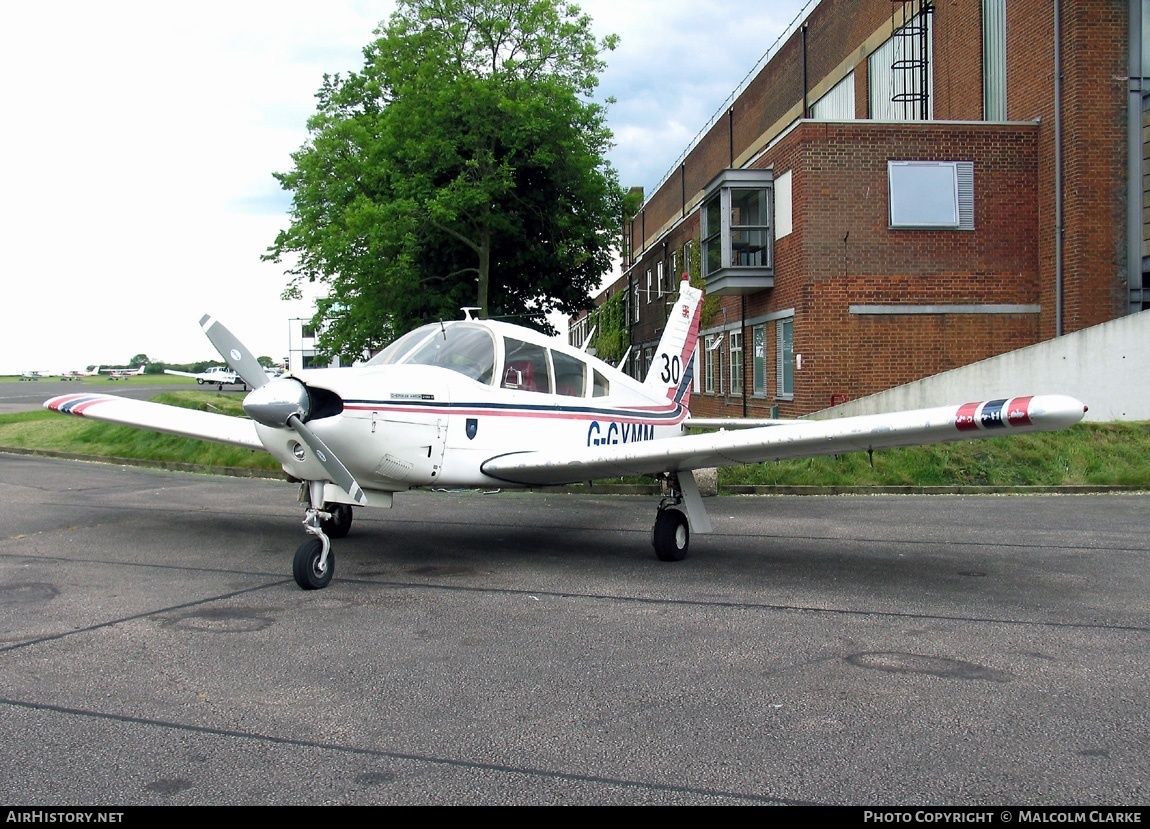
column 671, row 413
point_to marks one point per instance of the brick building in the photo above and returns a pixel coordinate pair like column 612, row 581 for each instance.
column 903, row 188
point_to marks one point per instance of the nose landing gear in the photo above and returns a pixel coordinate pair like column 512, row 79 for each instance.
column 314, row 562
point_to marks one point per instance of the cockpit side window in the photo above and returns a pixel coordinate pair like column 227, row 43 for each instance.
column 602, row 385
column 570, row 375
column 525, row 366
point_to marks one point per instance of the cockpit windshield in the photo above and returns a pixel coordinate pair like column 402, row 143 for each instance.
column 459, row 346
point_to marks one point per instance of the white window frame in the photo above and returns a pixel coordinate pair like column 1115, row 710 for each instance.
column 784, row 346
column 735, row 363
column 722, row 238
column 709, row 364
column 759, row 361
column 931, row 195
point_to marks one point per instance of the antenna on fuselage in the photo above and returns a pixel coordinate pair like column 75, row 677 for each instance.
column 623, row 362
column 587, row 341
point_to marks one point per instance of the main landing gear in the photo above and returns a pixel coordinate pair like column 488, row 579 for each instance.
column 314, row 562
column 671, row 535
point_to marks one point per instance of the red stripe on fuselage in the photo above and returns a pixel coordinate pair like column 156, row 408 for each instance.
column 641, row 414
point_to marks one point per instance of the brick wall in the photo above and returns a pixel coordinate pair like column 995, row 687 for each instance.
column 842, row 251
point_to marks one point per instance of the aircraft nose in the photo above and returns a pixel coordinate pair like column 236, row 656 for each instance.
column 273, row 403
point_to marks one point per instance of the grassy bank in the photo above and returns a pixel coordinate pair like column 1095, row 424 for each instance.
column 1097, row 454
column 1106, row 454
column 49, row 431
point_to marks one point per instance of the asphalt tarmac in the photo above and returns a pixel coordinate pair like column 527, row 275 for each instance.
column 528, row 648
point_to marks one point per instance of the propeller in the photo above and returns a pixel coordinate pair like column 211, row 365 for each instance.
column 281, row 403
column 242, row 361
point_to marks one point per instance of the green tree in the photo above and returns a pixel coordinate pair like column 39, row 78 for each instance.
column 463, row 166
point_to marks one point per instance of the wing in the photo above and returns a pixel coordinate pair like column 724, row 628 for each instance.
column 795, row 439
column 158, row 417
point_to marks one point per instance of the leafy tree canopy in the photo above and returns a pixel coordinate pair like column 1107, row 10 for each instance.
column 463, row 166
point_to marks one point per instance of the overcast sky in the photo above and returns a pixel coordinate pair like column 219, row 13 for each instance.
column 140, row 138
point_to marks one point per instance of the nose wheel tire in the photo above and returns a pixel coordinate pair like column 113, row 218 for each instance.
column 306, row 569
column 671, row 536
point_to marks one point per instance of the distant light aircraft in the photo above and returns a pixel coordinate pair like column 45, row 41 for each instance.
column 125, row 373
column 31, row 375
column 218, row 376
column 484, row 403
column 77, row 375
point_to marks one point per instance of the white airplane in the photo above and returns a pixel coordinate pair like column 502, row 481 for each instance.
column 125, row 373
column 32, row 375
column 480, row 403
column 218, row 376
column 76, row 375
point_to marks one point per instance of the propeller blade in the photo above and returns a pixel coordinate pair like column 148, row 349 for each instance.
column 331, row 464
column 242, row 361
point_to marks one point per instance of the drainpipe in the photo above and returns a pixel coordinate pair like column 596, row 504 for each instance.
column 731, row 137
column 804, row 30
column 1134, row 286
column 683, row 190
column 630, row 312
column 742, row 331
column 1059, row 230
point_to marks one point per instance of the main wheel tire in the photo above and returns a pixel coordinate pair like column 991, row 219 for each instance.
column 199, row 381
column 305, row 567
column 340, row 522
column 671, row 536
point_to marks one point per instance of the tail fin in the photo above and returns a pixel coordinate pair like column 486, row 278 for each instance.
column 673, row 370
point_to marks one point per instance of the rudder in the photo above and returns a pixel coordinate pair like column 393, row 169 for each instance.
column 672, row 371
